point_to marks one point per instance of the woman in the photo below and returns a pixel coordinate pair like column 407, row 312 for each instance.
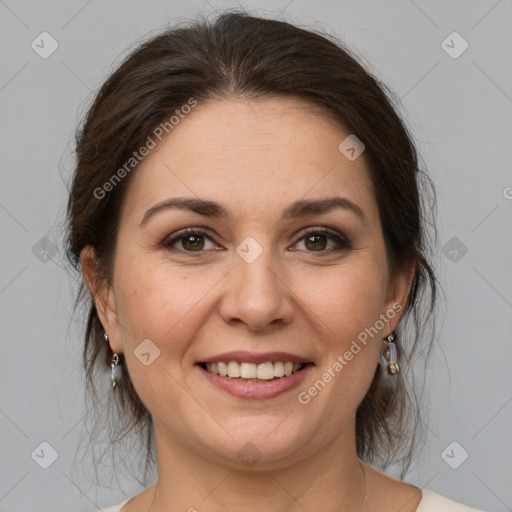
column 246, row 214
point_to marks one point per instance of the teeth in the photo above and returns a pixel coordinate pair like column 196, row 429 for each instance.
column 265, row 371
column 279, row 369
column 261, row 371
column 223, row 369
column 233, row 369
column 247, row 371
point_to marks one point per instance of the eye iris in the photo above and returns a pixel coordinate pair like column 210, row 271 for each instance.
column 316, row 244
column 198, row 242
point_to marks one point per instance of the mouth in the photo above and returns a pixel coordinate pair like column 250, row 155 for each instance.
column 255, row 376
column 246, row 371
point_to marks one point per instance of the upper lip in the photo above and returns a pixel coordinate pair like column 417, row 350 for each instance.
column 254, row 357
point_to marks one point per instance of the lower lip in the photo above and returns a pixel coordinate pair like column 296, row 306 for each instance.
column 257, row 390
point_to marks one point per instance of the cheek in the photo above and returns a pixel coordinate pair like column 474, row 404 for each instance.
column 161, row 302
column 156, row 303
column 348, row 299
column 346, row 308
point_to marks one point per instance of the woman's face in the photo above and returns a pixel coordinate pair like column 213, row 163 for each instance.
column 255, row 282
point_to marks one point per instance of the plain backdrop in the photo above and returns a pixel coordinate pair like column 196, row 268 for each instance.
column 458, row 102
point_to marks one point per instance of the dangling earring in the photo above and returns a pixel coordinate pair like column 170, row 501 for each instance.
column 390, row 355
column 113, row 364
column 114, row 361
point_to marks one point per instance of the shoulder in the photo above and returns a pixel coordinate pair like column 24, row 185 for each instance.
column 433, row 502
column 430, row 502
column 116, row 508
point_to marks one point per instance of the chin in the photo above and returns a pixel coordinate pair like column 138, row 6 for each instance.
column 265, row 444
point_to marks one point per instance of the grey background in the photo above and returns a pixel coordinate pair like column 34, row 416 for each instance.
column 460, row 111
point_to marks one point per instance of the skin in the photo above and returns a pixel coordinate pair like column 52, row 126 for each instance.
column 255, row 158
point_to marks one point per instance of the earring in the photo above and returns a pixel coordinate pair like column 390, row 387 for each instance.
column 390, row 355
column 114, row 361
column 113, row 364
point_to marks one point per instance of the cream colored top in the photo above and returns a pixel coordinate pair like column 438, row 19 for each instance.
column 430, row 502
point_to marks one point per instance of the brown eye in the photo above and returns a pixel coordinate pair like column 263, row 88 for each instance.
column 190, row 240
column 318, row 241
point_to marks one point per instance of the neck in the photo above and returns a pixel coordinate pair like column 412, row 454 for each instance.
column 331, row 476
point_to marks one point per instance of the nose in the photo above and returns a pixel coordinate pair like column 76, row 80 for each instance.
column 257, row 294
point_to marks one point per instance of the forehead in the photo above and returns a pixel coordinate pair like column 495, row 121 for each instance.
column 251, row 153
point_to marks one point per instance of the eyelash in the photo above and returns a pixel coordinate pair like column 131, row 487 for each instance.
column 342, row 242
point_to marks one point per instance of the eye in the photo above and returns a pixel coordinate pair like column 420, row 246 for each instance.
column 192, row 240
column 317, row 240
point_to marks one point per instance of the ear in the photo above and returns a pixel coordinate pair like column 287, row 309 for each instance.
column 398, row 292
column 103, row 296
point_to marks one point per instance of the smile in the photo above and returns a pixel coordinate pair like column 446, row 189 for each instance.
column 255, row 381
column 253, row 372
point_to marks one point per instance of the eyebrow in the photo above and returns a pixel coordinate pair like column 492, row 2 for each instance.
column 297, row 209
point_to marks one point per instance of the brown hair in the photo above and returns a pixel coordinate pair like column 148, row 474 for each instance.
column 239, row 55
